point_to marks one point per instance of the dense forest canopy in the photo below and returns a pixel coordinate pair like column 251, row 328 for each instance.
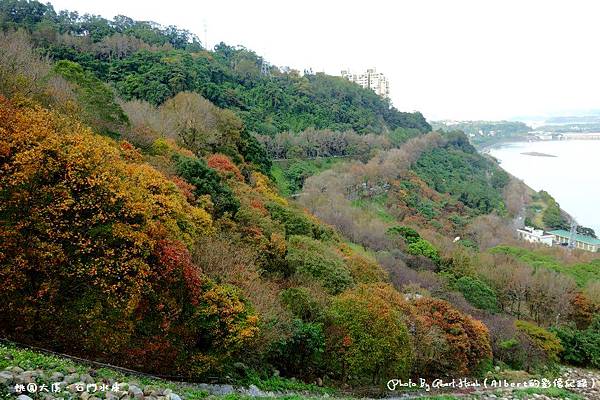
column 145, row 61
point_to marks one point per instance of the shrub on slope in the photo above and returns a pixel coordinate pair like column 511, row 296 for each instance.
column 368, row 337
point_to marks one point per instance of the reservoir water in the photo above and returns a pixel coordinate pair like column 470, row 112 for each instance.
column 572, row 177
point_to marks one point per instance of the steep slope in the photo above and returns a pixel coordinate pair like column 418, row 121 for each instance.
column 429, row 211
column 176, row 279
column 153, row 226
column 184, row 259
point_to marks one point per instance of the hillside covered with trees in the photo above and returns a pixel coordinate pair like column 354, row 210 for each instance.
column 143, row 223
column 147, row 62
column 485, row 133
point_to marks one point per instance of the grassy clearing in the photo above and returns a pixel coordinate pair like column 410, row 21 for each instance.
column 357, row 248
column 376, row 206
column 11, row 355
column 283, row 185
column 279, row 384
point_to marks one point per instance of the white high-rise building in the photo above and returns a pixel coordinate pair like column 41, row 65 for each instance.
column 371, row 79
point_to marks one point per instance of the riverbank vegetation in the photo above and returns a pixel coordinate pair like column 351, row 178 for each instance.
column 486, row 133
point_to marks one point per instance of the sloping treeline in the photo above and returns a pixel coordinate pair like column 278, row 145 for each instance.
column 313, row 143
column 438, row 184
column 136, row 204
column 145, row 61
column 329, row 195
column 149, row 228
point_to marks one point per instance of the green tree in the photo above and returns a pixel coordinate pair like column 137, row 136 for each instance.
column 99, row 107
column 301, row 353
column 368, row 338
column 581, row 347
column 478, row 293
column 168, row 60
column 301, row 304
column 545, row 341
column 407, row 233
column 458, row 170
column 315, row 259
column 423, row 248
column 552, row 216
column 207, row 181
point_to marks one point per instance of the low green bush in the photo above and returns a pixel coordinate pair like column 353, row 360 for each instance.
column 478, row 293
column 544, row 340
column 301, row 353
column 581, row 347
column 307, row 256
column 423, row 248
column 409, row 235
column 300, row 303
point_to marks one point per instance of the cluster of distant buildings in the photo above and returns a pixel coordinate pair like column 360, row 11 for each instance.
column 559, row 237
column 370, row 79
column 541, row 135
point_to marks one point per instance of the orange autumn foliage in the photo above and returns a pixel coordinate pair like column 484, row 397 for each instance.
column 187, row 189
column 224, row 165
column 130, row 152
column 461, row 343
column 94, row 252
column 582, row 311
column 259, row 206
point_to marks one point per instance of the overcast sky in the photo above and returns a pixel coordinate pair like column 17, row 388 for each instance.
column 449, row 59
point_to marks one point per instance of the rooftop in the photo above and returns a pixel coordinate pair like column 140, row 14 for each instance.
column 534, row 232
column 578, row 237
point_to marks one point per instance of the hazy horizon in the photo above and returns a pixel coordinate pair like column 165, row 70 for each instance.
column 463, row 60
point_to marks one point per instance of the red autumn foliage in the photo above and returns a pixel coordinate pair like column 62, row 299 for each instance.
column 582, row 311
column 186, row 188
column 224, row 165
column 465, row 342
column 259, row 206
column 130, row 152
column 174, row 258
column 253, row 232
column 155, row 353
